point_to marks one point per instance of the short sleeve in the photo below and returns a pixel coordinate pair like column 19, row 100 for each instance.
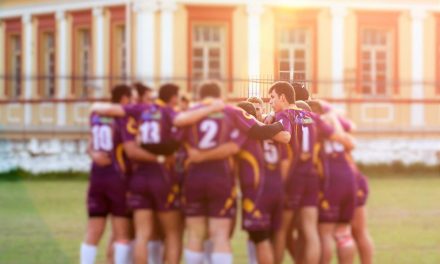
column 324, row 129
column 133, row 110
column 283, row 118
column 237, row 136
column 241, row 119
column 129, row 129
column 345, row 123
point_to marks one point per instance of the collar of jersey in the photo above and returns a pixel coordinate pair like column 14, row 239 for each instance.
column 159, row 102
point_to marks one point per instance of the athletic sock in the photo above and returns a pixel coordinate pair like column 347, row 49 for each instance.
column 122, row 252
column 155, row 252
column 130, row 252
column 88, row 254
column 193, row 257
column 207, row 251
column 221, row 258
column 252, row 252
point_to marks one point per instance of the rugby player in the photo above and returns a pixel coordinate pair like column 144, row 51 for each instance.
column 157, row 192
column 107, row 189
column 197, row 210
column 338, row 202
column 302, row 184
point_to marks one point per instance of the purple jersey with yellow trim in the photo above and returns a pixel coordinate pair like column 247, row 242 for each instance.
column 209, row 186
column 149, row 124
column 153, row 185
column 258, row 167
column 107, row 189
column 106, row 138
column 313, row 128
column 212, row 131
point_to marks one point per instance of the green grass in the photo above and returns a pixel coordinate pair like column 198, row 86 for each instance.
column 44, row 221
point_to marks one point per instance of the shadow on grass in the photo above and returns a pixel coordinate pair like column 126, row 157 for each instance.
column 19, row 175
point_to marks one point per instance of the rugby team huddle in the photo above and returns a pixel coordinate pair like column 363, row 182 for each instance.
column 162, row 169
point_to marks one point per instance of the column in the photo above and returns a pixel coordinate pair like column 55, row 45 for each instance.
column 61, row 64
column 167, row 8
column 417, row 48
column 338, row 15
column 98, row 14
column 28, row 62
column 145, row 33
column 254, row 11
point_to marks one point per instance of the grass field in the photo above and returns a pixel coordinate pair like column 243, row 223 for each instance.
column 43, row 221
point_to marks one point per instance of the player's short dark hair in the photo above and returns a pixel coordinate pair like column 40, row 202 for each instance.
column 248, row 107
column 141, row 88
column 315, row 106
column 209, row 89
column 301, row 92
column 282, row 87
column 168, row 91
column 184, row 98
column 303, row 105
column 255, row 100
column 120, row 91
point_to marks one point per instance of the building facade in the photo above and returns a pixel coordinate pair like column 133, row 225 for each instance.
column 376, row 60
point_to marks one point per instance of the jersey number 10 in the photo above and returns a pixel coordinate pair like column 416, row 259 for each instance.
column 102, row 138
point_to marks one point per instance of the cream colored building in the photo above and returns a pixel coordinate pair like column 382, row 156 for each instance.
column 378, row 60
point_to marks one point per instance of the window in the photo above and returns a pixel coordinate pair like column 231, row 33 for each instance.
column 121, row 52
column 375, row 61
column 46, row 56
column 13, row 58
column 296, row 46
column 437, row 48
column 294, row 54
column 48, row 64
column 82, row 63
column 209, row 53
column 210, row 45
column 377, row 65
column 15, row 66
column 118, row 46
column 84, row 59
column 82, row 53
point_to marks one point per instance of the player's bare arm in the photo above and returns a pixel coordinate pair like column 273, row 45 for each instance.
column 192, row 116
column 221, row 152
column 107, row 109
column 134, row 152
column 98, row 157
column 345, row 139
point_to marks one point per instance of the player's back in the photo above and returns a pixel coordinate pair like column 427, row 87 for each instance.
column 210, row 132
column 104, row 139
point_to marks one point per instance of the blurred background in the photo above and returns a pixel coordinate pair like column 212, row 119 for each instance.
column 377, row 61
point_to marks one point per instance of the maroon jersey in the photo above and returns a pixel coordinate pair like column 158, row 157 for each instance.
column 106, row 138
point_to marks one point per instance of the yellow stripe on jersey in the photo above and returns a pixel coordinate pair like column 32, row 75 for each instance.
column 289, row 152
column 230, row 201
column 131, row 126
column 120, row 157
column 160, row 102
column 248, row 205
column 247, row 156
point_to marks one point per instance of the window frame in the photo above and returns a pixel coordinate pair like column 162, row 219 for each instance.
column 117, row 19
column 386, row 21
column 81, row 20
column 201, row 15
column 13, row 27
column 298, row 18
column 46, row 24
